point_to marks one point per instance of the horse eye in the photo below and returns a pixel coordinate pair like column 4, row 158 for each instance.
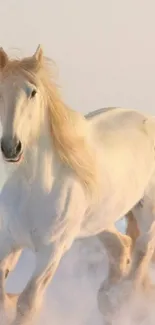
column 33, row 93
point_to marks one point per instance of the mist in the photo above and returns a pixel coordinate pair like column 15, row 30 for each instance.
column 72, row 296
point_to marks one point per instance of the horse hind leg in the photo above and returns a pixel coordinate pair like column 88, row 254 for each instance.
column 142, row 256
column 140, row 218
column 132, row 229
column 123, row 243
column 118, row 248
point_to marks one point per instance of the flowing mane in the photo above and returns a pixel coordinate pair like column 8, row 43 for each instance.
column 68, row 131
column 68, row 128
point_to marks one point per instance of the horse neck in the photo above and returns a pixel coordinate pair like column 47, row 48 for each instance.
column 41, row 163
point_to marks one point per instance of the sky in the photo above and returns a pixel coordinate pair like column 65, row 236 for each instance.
column 105, row 55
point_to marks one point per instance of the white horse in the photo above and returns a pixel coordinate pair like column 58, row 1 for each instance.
column 74, row 177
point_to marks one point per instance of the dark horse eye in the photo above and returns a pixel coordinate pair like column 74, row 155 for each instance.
column 33, row 93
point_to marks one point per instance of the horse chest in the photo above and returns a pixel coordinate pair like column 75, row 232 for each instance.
column 35, row 217
column 28, row 214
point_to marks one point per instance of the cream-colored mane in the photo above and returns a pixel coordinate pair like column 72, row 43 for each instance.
column 68, row 128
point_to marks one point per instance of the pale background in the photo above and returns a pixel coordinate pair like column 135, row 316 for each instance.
column 105, row 52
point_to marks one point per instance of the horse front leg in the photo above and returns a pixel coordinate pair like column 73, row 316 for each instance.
column 9, row 264
column 8, row 300
column 12, row 260
column 30, row 300
column 7, row 248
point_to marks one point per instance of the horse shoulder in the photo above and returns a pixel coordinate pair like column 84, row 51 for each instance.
column 68, row 204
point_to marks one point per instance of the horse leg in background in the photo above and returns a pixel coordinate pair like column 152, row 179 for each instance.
column 115, row 290
column 122, row 239
column 142, row 256
column 118, row 248
column 143, row 215
column 132, row 229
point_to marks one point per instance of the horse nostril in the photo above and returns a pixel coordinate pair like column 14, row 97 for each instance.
column 2, row 147
column 18, row 147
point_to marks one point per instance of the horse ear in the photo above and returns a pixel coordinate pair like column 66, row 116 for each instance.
column 3, row 58
column 38, row 55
